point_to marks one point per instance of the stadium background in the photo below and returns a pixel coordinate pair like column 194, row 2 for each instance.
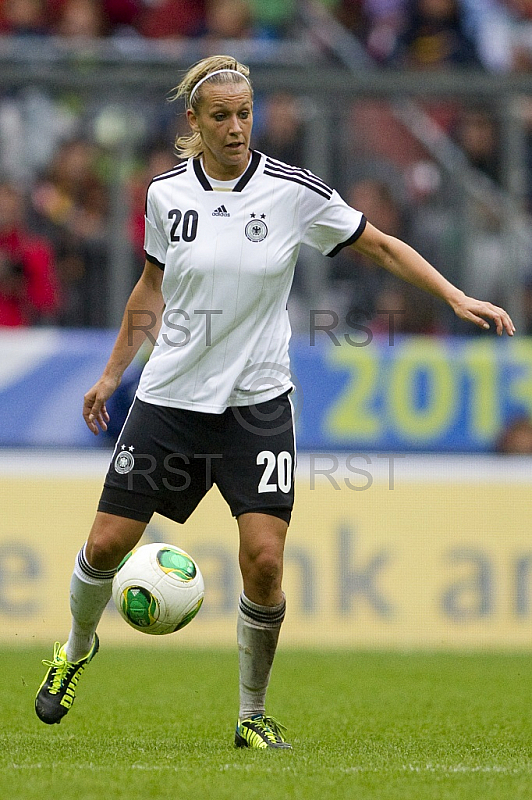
column 411, row 526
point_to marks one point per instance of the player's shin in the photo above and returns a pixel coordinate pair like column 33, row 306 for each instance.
column 258, row 630
column 90, row 591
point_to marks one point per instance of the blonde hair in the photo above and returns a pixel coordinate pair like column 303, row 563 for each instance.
column 192, row 144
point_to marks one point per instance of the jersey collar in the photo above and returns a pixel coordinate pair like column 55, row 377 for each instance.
column 244, row 179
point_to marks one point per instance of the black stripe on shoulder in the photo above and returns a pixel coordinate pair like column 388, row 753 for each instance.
column 177, row 170
column 290, row 168
column 359, row 231
column 295, row 179
column 180, row 169
column 153, row 260
column 305, row 174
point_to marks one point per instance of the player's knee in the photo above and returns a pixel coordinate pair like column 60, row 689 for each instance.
column 104, row 550
column 110, row 539
column 266, row 569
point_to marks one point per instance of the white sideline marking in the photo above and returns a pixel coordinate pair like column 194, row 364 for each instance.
column 311, row 469
column 440, row 769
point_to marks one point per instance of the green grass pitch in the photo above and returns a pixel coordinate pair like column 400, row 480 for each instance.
column 159, row 723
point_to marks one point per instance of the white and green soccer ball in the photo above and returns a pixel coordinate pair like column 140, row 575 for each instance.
column 158, row 588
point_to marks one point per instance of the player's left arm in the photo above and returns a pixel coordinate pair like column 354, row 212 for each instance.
column 403, row 261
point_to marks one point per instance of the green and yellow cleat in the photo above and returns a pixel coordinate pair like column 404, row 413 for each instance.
column 58, row 689
column 260, row 732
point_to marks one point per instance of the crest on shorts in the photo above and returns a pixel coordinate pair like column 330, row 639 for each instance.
column 124, row 461
column 256, row 229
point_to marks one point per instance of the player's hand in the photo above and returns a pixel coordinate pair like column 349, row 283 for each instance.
column 481, row 313
column 94, row 411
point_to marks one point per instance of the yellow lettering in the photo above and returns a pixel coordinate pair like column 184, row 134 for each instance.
column 415, row 357
column 351, row 415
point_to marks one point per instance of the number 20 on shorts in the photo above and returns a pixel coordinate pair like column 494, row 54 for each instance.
column 281, row 465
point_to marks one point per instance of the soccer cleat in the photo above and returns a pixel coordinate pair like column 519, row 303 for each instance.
column 58, row 689
column 260, row 732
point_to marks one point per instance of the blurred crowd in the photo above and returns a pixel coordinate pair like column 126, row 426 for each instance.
column 427, row 34
column 57, row 176
column 154, row 19
column 495, row 34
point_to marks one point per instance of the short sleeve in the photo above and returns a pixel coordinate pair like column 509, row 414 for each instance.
column 335, row 225
column 155, row 241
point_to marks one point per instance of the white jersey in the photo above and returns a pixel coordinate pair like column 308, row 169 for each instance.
column 228, row 250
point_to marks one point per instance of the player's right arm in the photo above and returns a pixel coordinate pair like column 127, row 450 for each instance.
column 145, row 303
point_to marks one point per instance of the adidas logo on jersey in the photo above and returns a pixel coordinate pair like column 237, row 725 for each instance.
column 221, row 212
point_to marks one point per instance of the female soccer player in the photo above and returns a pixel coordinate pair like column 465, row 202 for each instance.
column 223, row 231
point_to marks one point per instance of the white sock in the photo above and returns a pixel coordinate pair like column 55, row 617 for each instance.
column 258, row 630
column 90, row 591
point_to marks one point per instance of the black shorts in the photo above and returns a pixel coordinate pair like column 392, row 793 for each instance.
column 167, row 459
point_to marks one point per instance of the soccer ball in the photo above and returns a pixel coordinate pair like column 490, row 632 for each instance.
column 158, row 588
